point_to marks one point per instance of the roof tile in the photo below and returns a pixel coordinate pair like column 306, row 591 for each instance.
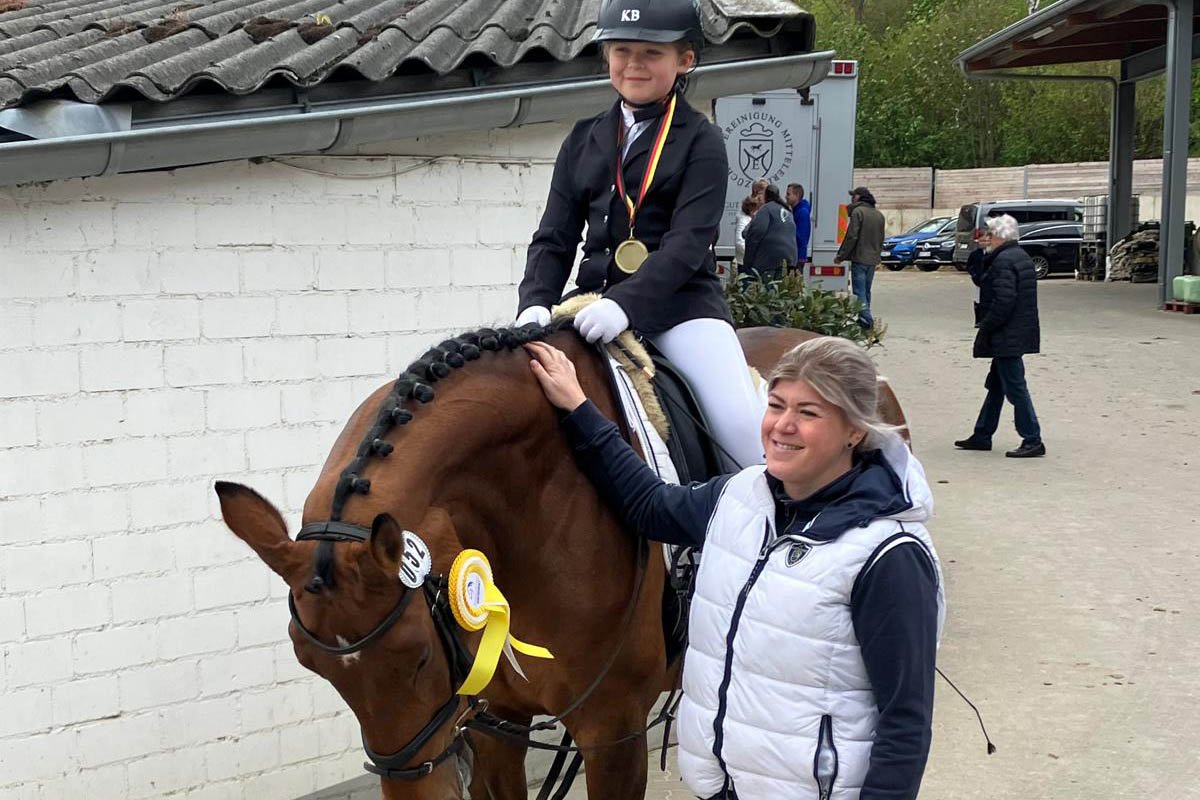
column 162, row 48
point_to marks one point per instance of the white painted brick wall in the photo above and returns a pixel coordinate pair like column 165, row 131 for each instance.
column 162, row 331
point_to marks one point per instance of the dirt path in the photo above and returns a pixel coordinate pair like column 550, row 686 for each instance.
column 1071, row 580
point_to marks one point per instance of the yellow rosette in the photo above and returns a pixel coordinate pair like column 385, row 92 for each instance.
column 477, row 603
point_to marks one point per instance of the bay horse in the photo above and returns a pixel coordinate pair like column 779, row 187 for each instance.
column 480, row 463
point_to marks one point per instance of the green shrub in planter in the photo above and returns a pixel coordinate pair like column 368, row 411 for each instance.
column 789, row 303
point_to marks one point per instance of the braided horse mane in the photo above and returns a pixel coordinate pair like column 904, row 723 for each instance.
column 416, row 383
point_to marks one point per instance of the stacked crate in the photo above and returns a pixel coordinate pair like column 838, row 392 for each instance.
column 1090, row 266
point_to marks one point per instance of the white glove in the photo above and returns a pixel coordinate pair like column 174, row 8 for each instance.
column 538, row 314
column 602, row 321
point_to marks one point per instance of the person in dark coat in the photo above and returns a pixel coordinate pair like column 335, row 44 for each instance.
column 1008, row 329
column 646, row 177
column 771, row 238
column 862, row 247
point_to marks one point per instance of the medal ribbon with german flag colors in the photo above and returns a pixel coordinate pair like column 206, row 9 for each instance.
column 478, row 604
column 660, row 142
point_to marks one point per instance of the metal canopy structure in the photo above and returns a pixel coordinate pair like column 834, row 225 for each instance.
column 1147, row 39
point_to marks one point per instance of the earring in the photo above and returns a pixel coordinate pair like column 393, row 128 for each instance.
column 849, row 444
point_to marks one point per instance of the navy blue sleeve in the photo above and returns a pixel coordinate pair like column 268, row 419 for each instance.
column 1004, row 295
column 551, row 255
column 894, row 609
column 975, row 266
column 656, row 510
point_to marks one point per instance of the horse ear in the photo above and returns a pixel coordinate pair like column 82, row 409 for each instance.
column 387, row 543
column 257, row 523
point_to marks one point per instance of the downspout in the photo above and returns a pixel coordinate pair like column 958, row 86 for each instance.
column 1176, row 118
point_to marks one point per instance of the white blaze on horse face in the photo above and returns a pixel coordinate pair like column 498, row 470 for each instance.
column 347, row 660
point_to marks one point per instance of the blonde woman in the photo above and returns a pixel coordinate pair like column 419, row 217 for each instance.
column 819, row 602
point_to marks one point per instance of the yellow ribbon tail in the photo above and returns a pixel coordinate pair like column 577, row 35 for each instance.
column 529, row 649
column 492, row 614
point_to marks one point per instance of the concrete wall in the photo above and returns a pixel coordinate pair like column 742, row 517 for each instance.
column 161, row 331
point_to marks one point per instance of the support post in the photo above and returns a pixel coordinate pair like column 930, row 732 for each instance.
column 1175, row 144
column 1120, row 168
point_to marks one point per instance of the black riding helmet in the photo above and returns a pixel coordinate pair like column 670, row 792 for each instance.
column 661, row 21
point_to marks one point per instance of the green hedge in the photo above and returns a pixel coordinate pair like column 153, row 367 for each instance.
column 789, row 303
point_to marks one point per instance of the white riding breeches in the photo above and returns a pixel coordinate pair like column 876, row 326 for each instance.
column 707, row 352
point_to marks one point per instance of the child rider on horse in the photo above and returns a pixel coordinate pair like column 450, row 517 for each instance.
column 647, row 178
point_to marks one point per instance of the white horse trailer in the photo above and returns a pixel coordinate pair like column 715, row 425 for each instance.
column 801, row 136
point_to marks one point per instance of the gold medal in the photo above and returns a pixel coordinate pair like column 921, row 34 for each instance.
column 630, row 255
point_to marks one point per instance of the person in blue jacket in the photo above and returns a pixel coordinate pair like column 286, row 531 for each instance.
column 818, row 603
column 802, row 213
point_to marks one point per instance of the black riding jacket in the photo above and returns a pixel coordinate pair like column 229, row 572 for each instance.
column 677, row 222
column 771, row 240
column 1008, row 310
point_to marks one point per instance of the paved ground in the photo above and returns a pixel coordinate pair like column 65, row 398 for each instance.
column 1071, row 579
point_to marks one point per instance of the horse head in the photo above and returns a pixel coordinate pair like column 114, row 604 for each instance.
column 356, row 624
column 439, row 476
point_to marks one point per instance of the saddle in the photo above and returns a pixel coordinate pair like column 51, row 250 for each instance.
column 661, row 409
column 696, row 459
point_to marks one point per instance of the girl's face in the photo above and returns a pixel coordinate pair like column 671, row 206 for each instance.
column 805, row 438
column 645, row 72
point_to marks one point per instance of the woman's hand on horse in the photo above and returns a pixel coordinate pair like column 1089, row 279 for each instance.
column 556, row 374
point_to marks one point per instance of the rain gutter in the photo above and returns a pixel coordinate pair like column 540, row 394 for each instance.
column 305, row 130
column 1022, row 76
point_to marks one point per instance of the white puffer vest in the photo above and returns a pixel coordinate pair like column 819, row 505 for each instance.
column 789, row 713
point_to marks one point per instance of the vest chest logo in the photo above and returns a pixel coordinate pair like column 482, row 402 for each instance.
column 797, row 552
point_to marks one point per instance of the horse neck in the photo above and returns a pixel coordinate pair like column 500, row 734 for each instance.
column 489, row 452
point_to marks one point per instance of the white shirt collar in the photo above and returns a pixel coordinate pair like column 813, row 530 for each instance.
column 633, row 128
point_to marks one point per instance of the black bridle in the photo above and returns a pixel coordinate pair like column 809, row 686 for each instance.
column 434, row 588
column 460, row 660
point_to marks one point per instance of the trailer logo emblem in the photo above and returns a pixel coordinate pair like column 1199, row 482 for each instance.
column 756, row 151
column 760, row 145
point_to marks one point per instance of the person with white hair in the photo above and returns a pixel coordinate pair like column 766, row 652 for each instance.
column 819, row 602
column 1008, row 330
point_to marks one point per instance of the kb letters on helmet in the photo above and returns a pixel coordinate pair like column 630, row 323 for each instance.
column 631, row 15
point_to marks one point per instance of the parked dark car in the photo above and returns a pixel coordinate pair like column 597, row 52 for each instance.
column 932, row 254
column 1053, row 246
column 898, row 250
column 973, row 217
